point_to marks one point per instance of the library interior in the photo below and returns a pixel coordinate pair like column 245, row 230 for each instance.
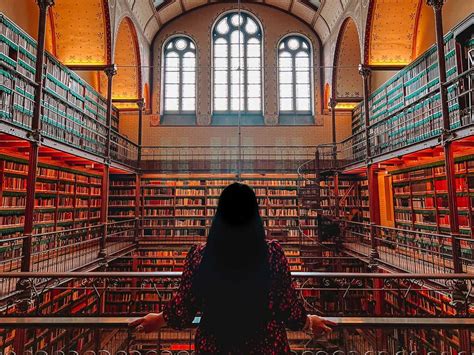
column 122, row 121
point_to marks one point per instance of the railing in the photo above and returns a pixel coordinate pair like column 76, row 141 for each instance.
column 352, row 335
column 409, row 250
column 65, row 250
column 62, row 120
column 123, row 150
column 326, row 293
column 221, row 158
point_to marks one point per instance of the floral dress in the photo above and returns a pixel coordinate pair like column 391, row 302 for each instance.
column 286, row 308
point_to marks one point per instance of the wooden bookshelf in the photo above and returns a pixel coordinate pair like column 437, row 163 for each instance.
column 122, row 197
column 73, row 112
column 65, row 198
column 420, row 197
column 352, row 194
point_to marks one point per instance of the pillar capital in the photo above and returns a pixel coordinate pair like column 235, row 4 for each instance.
column 110, row 71
column 364, row 70
column 436, row 4
column 44, row 4
column 332, row 103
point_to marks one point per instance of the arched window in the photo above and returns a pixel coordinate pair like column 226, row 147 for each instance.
column 179, row 80
column 294, row 74
column 237, row 41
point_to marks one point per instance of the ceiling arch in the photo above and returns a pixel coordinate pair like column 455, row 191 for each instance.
column 86, row 19
column 321, row 15
column 347, row 83
column 127, row 83
column 391, row 32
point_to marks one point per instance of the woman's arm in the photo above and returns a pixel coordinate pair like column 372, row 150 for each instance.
column 290, row 308
column 180, row 311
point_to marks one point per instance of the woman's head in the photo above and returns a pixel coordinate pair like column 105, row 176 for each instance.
column 237, row 205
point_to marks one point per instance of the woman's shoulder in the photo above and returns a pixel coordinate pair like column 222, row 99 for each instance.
column 275, row 248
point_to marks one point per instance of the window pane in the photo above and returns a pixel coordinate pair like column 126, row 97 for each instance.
column 189, row 104
column 286, row 90
column 220, row 91
column 253, row 77
column 253, row 63
column 189, row 62
column 220, row 63
column 302, row 63
column 171, row 105
column 254, row 104
column 172, row 61
column 189, row 77
column 220, row 77
column 220, row 105
column 172, row 90
column 286, row 104
column 303, row 105
column 234, row 105
column 253, row 50
column 285, row 61
column 172, row 77
column 237, row 63
column 302, row 77
column 302, row 91
column 235, row 92
column 189, row 90
column 286, row 77
column 237, row 77
column 293, row 44
column 253, row 91
column 236, row 37
column 251, row 26
column 222, row 27
column 237, row 20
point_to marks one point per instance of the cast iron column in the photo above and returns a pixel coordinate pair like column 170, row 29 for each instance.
column 374, row 212
column 447, row 140
column 104, row 212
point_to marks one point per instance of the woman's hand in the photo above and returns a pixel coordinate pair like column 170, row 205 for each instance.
column 150, row 323
column 318, row 326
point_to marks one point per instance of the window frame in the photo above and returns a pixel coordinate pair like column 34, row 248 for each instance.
column 253, row 114
column 294, row 111
column 189, row 115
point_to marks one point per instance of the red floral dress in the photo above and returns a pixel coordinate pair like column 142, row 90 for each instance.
column 285, row 306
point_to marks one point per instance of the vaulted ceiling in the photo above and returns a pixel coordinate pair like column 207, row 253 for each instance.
column 322, row 15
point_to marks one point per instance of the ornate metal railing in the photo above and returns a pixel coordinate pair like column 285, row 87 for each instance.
column 352, row 335
column 225, row 158
column 410, row 250
column 326, row 293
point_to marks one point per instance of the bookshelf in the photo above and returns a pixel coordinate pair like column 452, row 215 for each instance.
column 183, row 206
column 65, row 198
column 123, row 196
column 352, row 195
column 420, row 196
column 73, row 112
column 393, row 125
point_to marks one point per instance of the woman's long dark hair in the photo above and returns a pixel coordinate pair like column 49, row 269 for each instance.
column 233, row 278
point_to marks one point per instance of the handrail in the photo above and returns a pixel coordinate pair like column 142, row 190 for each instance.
column 169, row 274
column 122, row 322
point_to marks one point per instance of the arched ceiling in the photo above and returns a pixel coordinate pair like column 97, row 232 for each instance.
column 127, row 82
column 80, row 32
column 391, row 29
column 321, row 15
column 348, row 82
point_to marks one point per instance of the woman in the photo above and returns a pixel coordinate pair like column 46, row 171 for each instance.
column 241, row 284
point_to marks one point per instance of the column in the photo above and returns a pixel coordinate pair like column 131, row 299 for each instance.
column 460, row 287
column 374, row 211
column 141, row 107
column 110, row 71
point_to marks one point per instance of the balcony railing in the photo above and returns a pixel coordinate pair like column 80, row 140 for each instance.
column 352, row 335
column 410, row 311
column 410, row 250
column 222, row 158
